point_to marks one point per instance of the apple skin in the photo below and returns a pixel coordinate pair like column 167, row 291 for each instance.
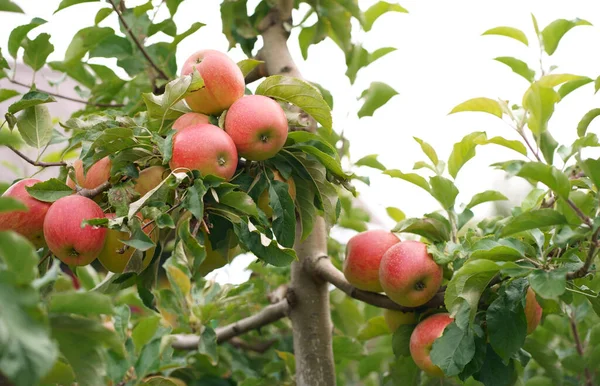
column 258, row 127
column 116, row 262
column 408, row 274
column 263, row 199
column 97, row 174
column 29, row 223
column 148, row 179
column 189, row 119
column 364, row 252
column 395, row 319
column 67, row 240
column 223, row 82
column 533, row 311
column 215, row 259
column 421, row 342
column 205, row 148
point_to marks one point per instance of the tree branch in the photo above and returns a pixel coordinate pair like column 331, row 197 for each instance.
column 579, row 346
column 139, row 45
column 36, row 163
column 89, row 193
column 259, row 347
column 581, row 272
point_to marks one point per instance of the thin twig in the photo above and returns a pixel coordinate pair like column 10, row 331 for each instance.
column 139, row 45
column 579, row 346
column 46, row 256
column 36, row 163
column 581, row 272
column 89, row 193
column 581, row 215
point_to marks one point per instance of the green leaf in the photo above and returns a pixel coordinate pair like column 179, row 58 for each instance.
column 401, row 340
column 83, row 303
column 395, row 213
column 539, row 101
column 378, row 9
column 347, row 348
column 375, row 327
column 166, row 26
column 358, row 58
column 494, row 372
column 484, row 105
column 548, row 284
column 510, row 32
column 515, row 145
column 591, row 167
column 573, row 85
column 533, row 219
column 264, row 248
column 19, row 34
column 102, row 14
column 370, row 161
column 548, row 175
column 35, row 126
column 139, row 240
column 37, row 51
column 428, row 150
column 331, row 163
column 169, row 105
column 554, row 32
column 377, row 95
column 453, row 350
column 284, row 213
column 242, row 202
column 9, row 6
column 19, row 257
column 195, row 252
column 430, row 228
column 501, row 250
column 443, row 190
column 172, row 5
column 193, row 28
column 67, row 3
column 6, row 93
column 8, row 204
column 112, row 46
column 299, row 93
column 30, row 99
column 410, row 177
column 85, row 40
column 463, row 151
column 487, row 196
column 50, row 190
column 519, row 67
column 247, row 65
column 193, row 200
column 584, row 123
column 548, row 145
column 546, row 357
column 208, row 344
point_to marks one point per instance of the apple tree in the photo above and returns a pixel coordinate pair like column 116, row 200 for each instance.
column 171, row 170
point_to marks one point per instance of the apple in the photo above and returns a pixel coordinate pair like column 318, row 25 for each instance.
column 533, row 311
column 149, row 179
column 215, row 258
column 408, row 274
column 258, row 127
column 421, row 342
column 29, row 223
column 223, row 82
column 67, row 240
column 205, row 148
column 116, row 262
column 363, row 257
column 263, row 199
column 96, row 175
column 395, row 319
column 189, row 119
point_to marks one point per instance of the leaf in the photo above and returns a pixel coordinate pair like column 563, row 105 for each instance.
column 548, row 145
column 573, row 85
column 487, row 196
column 553, row 80
column 484, row 105
column 67, row 3
column 370, row 161
column 519, row 67
column 358, row 57
column 264, row 248
column 494, row 372
column 85, row 40
column 554, row 32
column 37, row 51
column 170, row 104
column 584, row 123
column 378, row 9
column 18, row 34
column 401, row 340
column 241, row 201
column 410, row 177
column 430, row 228
column 193, row 200
column 284, row 213
column 548, row 284
column 591, row 167
column 548, row 175
column 193, row 28
column 375, row 327
column 102, row 14
column 35, row 126
column 49, row 191
column 208, row 344
column 8, row 204
column 9, row 6
column 6, row 93
column 463, row 151
column 515, row 145
column 83, row 303
column 19, row 257
column 453, row 350
column 443, row 190
column 428, row 150
column 377, row 95
column 194, row 251
column 347, row 348
column 533, row 219
column 299, row 93
column 395, row 213
column 539, row 101
column 30, row 99
column 501, row 250
column 112, row 46
column 247, row 65
column 510, row 32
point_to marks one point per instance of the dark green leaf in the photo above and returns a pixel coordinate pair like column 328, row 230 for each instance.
column 30, row 99
column 443, row 190
column 501, row 250
column 49, row 191
column 19, row 34
column 112, row 46
column 553, row 33
column 139, row 240
column 494, row 372
column 430, row 228
column 83, row 303
column 519, row 67
column 510, row 32
column 453, row 350
column 378, row 9
column 208, row 344
column 548, row 284
column 401, row 340
column 264, row 248
column 85, row 40
column 284, row 213
column 377, row 95
column 533, row 219
column 193, row 200
column 487, row 196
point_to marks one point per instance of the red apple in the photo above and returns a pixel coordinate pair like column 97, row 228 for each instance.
column 149, row 179
column 363, row 257
column 533, row 311
column 408, row 274
column 395, row 319
column 205, row 148
column 258, row 126
column 67, row 240
column 421, row 342
column 189, row 119
column 96, row 175
column 29, row 223
column 223, row 82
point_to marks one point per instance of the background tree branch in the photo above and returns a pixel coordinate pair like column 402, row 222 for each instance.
column 36, row 163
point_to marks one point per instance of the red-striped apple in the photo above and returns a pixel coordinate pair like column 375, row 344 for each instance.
column 189, row 119
column 421, row 342
column 533, row 311
column 96, row 175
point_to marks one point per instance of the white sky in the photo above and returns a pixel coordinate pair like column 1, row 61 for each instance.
column 441, row 60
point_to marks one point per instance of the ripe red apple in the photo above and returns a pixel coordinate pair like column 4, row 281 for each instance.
column 408, row 274
column 258, row 126
column 29, row 223
column 205, row 148
column 421, row 342
column 189, row 119
column 148, row 179
column 223, row 82
column 533, row 311
column 116, row 262
column 395, row 319
column 97, row 174
column 264, row 199
column 67, row 240
column 363, row 257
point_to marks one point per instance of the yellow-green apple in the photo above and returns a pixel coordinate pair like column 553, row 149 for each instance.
column 65, row 237
column 258, row 127
column 149, row 179
column 408, row 274
column 96, row 175
column 421, row 342
column 533, row 311
column 395, row 319
column 29, row 223
column 214, row 258
column 116, row 262
column 364, row 252
column 189, row 119
column 263, row 199
column 223, row 82
column 205, row 148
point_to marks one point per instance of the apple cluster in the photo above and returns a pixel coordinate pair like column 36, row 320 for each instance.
column 378, row 261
